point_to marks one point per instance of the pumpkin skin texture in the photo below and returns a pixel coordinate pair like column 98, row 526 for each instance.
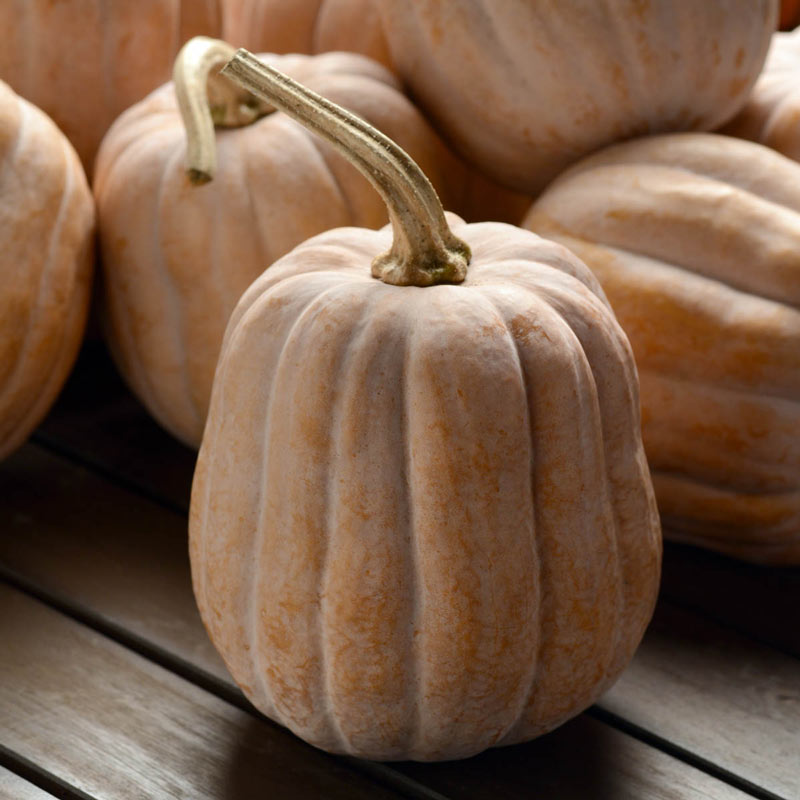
column 306, row 26
column 696, row 241
column 522, row 88
column 177, row 257
column 46, row 245
column 771, row 115
column 421, row 520
column 86, row 61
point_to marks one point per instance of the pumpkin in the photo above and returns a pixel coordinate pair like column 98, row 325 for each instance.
column 421, row 521
column 306, row 26
column 46, row 237
column 176, row 256
column 790, row 14
column 695, row 239
column 86, row 61
column 771, row 115
column 522, row 89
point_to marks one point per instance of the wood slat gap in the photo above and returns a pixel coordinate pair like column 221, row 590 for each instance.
column 39, row 777
column 680, row 753
column 376, row 771
column 380, row 772
column 390, row 777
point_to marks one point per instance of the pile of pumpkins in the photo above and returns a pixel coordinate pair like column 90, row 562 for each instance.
column 423, row 522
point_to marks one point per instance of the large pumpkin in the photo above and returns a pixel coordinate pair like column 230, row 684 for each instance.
column 86, row 61
column 46, row 237
column 524, row 87
column 421, row 522
column 306, row 26
column 177, row 256
column 771, row 115
column 696, row 241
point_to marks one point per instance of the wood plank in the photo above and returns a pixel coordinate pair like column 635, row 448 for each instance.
column 580, row 760
column 114, row 725
column 117, row 726
column 712, row 692
column 124, row 559
column 12, row 787
column 104, row 548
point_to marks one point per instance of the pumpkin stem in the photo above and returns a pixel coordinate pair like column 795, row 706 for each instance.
column 206, row 100
column 424, row 250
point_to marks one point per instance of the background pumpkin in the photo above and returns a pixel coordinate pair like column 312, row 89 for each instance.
column 421, row 521
column 176, row 257
column 522, row 89
column 46, row 236
column 790, row 14
column 306, row 26
column 86, row 61
column 772, row 112
column 696, row 241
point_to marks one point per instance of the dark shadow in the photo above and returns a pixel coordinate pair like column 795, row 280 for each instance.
column 582, row 759
column 755, row 600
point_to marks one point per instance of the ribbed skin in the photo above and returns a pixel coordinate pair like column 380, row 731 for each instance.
column 422, row 523
column 46, row 249
column 306, row 26
column 86, row 61
column 771, row 115
column 696, row 241
column 177, row 257
column 523, row 88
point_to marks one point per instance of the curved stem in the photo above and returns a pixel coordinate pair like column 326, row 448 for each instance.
column 205, row 101
column 424, row 250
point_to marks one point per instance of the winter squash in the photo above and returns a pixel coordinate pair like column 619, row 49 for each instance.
column 86, row 61
column 46, row 236
column 176, row 255
column 771, row 115
column 790, row 15
column 306, row 26
column 421, row 521
column 522, row 89
column 695, row 239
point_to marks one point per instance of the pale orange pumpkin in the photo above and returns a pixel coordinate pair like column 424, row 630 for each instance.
column 86, row 61
column 421, row 522
column 771, row 115
column 522, row 88
column 177, row 256
column 46, row 237
column 696, row 241
column 306, row 26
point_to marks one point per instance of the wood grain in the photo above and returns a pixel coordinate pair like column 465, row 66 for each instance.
column 124, row 560
column 12, row 787
column 717, row 694
column 115, row 725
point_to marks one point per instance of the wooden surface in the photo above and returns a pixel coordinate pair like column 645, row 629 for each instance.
column 109, row 687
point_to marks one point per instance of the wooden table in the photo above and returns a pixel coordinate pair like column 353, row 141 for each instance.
column 109, row 687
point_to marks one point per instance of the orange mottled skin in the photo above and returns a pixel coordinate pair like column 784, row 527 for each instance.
column 522, row 89
column 177, row 256
column 422, row 522
column 46, row 259
column 695, row 239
